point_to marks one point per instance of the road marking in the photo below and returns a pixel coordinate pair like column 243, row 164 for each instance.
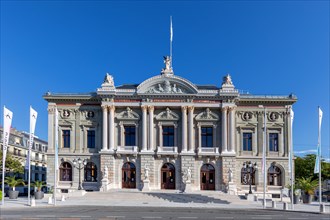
column 224, row 217
column 113, row 216
column 188, row 217
column 151, row 217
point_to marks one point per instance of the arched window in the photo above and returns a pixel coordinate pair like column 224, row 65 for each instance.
column 65, row 172
column 274, row 176
column 90, row 172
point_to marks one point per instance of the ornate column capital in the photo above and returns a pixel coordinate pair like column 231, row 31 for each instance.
column 111, row 107
column 191, row 108
column 144, row 107
column 184, row 108
column 151, row 108
column 224, row 109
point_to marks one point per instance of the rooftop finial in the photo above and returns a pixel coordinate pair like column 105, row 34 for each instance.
column 168, row 67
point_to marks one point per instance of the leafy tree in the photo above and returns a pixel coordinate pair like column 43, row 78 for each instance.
column 12, row 165
column 304, row 167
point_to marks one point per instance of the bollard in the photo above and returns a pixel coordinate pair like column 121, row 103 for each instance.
column 50, row 200
column 322, row 208
column 274, row 204
column 285, row 206
column 256, row 198
column 63, row 198
column 33, row 202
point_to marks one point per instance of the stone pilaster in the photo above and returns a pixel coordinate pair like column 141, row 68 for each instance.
column 112, row 127
column 231, row 125
column 151, row 128
column 184, row 128
column 144, row 127
column 224, row 129
column 191, row 144
column 105, row 128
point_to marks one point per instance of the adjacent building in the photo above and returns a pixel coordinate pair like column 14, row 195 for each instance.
column 169, row 133
column 18, row 147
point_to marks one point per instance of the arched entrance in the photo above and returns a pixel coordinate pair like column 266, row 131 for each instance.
column 168, row 176
column 128, row 175
column 207, row 177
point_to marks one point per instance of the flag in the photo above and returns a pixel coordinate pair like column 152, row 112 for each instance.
column 56, row 139
column 27, row 161
column 318, row 154
column 7, row 119
column 291, row 149
column 171, row 31
column 33, row 120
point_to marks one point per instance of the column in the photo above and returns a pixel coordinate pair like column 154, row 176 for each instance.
column 112, row 127
column 214, row 136
column 231, row 130
column 105, row 127
column 224, row 129
column 280, row 143
column 160, row 135
column 184, row 128
column 144, row 128
column 191, row 145
column 151, row 127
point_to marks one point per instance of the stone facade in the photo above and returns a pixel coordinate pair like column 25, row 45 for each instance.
column 167, row 129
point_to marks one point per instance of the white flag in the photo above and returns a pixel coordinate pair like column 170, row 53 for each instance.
column 171, row 31
column 7, row 119
column 56, row 139
column 318, row 154
column 291, row 149
column 33, row 120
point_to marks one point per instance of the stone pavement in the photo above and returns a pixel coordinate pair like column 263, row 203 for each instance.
column 168, row 198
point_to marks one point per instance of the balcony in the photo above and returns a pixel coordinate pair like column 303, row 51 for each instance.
column 167, row 150
column 208, row 151
column 127, row 150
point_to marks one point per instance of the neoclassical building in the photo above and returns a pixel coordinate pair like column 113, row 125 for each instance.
column 169, row 133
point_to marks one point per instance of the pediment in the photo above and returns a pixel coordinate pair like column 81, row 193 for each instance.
column 128, row 114
column 167, row 84
column 207, row 115
column 167, row 115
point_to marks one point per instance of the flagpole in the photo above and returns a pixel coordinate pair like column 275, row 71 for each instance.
column 264, row 157
column 320, row 156
column 55, row 155
column 3, row 160
column 291, row 159
column 171, row 40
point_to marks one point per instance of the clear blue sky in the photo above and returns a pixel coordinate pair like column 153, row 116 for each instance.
column 269, row 47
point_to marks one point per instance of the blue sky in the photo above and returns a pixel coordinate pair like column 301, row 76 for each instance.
column 269, row 47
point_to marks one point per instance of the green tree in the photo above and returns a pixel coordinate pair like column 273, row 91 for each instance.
column 12, row 165
column 304, row 167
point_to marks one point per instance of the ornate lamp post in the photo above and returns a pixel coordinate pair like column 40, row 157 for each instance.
column 250, row 168
column 79, row 161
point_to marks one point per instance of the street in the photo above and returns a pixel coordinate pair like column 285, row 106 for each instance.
column 106, row 212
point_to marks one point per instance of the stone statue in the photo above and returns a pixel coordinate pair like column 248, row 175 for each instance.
column 227, row 80
column 146, row 173
column 108, row 80
column 167, row 61
column 230, row 175
column 105, row 172
column 187, row 176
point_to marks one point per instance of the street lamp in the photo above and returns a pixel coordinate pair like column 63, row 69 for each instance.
column 79, row 161
column 250, row 168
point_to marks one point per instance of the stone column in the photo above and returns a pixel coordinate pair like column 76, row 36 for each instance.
column 191, row 145
column 184, row 128
column 144, row 128
column 231, row 147
column 160, row 129
column 151, row 127
column 105, row 128
column 214, row 136
column 280, row 143
column 51, row 128
column 224, row 129
column 112, row 127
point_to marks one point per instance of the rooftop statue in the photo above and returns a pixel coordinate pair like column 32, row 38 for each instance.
column 168, row 65
column 227, row 80
column 108, row 80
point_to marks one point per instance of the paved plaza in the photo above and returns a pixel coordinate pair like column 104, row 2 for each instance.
column 168, row 198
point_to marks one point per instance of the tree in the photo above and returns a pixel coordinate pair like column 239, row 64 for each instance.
column 12, row 165
column 304, row 167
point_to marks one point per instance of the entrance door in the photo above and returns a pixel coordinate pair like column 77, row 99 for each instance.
column 207, row 177
column 128, row 175
column 168, row 176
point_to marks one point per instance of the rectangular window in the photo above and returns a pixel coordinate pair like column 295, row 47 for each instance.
column 273, row 142
column 168, row 136
column 130, row 136
column 90, row 139
column 66, row 138
column 207, row 136
column 247, row 141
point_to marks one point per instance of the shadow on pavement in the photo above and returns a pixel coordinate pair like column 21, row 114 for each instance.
column 187, row 198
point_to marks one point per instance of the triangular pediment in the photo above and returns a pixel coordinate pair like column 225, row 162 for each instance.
column 167, row 115
column 207, row 115
column 128, row 114
column 167, row 84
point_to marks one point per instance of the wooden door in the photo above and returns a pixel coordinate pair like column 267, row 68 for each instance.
column 168, row 176
column 128, row 176
column 207, row 177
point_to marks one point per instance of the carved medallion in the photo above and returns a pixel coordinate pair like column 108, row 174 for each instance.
column 247, row 116
column 273, row 116
column 90, row 114
column 66, row 113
